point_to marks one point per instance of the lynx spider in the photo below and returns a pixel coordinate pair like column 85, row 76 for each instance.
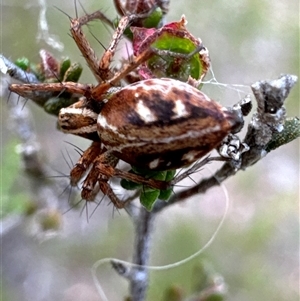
column 81, row 118
column 95, row 155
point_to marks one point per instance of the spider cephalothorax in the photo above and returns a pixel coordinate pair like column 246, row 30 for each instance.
column 154, row 124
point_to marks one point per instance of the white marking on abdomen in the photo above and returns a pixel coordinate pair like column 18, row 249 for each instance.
column 179, row 109
column 144, row 112
column 153, row 164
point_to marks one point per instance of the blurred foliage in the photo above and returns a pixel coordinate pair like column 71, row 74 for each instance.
column 14, row 199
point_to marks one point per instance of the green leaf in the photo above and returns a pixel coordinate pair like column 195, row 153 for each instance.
column 165, row 194
column 64, row 66
column 160, row 175
column 148, row 197
column 73, row 73
column 53, row 105
column 23, row 63
column 170, row 175
column 154, row 19
column 173, row 68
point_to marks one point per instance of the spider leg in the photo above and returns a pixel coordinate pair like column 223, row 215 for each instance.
column 99, row 90
column 28, row 90
column 102, row 170
column 84, row 162
column 107, row 190
column 157, row 184
column 105, row 61
column 83, row 44
column 108, row 170
column 100, row 70
column 124, row 22
column 103, row 160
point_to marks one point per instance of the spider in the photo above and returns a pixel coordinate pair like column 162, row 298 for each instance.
column 156, row 124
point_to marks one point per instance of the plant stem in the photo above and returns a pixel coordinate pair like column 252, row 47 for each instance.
column 143, row 234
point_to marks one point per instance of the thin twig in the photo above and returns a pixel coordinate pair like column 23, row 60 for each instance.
column 143, row 234
column 138, row 275
column 8, row 67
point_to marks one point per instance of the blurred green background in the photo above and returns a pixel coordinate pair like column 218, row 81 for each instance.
column 257, row 249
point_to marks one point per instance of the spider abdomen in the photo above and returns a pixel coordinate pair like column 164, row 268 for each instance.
column 162, row 124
